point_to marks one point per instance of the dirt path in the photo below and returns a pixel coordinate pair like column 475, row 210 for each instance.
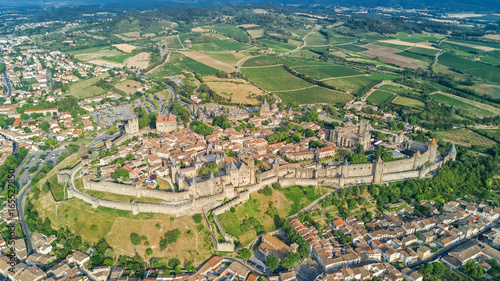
column 273, row 65
column 160, row 65
column 373, row 89
column 304, row 43
column 331, row 78
column 241, row 62
column 180, row 42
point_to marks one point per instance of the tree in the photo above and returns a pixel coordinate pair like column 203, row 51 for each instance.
column 112, row 130
column 290, row 260
column 246, row 253
column 149, row 251
column 136, row 239
column 272, row 262
column 177, row 269
column 197, row 218
column 438, row 270
column 473, row 269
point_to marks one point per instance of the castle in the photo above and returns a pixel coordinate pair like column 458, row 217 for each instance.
column 165, row 125
column 350, row 136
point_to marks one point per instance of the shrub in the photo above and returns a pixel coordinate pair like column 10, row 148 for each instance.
column 93, row 227
column 197, row 218
column 149, row 251
column 135, row 239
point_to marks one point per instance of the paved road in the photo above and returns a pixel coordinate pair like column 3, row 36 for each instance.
column 7, row 84
column 20, row 202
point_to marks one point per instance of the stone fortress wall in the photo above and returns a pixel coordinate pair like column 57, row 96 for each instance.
column 183, row 203
column 238, row 180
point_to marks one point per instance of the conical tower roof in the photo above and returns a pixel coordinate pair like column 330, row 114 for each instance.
column 433, row 142
column 276, row 162
column 346, row 163
column 265, row 102
column 452, row 149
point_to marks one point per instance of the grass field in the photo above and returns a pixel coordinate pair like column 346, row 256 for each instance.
column 118, row 59
column 315, row 95
column 408, row 54
column 274, row 60
column 129, row 86
column 231, row 31
column 320, row 72
column 383, row 76
column 486, row 89
column 239, row 90
column 167, row 69
column 353, row 85
column 408, row 102
column 173, row 42
column 478, row 43
column 274, row 78
column 352, row 48
column 379, row 97
column 287, row 201
column 85, row 88
column 56, row 188
column 95, row 53
column 316, row 39
column 231, row 45
column 408, row 38
column 472, row 107
column 466, row 137
column 197, row 67
column 116, row 226
column 230, row 58
column 480, row 70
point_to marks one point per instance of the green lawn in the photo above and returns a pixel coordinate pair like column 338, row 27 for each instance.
column 320, row 72
column 315, row 95
column 118, row 59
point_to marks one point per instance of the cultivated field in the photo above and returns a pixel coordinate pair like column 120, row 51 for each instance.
column 486, row 89
column 127, row 48
column 274, row 78
column 478, row 69
column 474, row 108
column 353, row 85
column 230, row 58
column 388, row 55
column 379, row 97
column 141, row 60
column 320, row 72
column 256, row 33
column 466, row 137
column 210, row 61
column 315, row 94
column 239, row 90
column 408, row 102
